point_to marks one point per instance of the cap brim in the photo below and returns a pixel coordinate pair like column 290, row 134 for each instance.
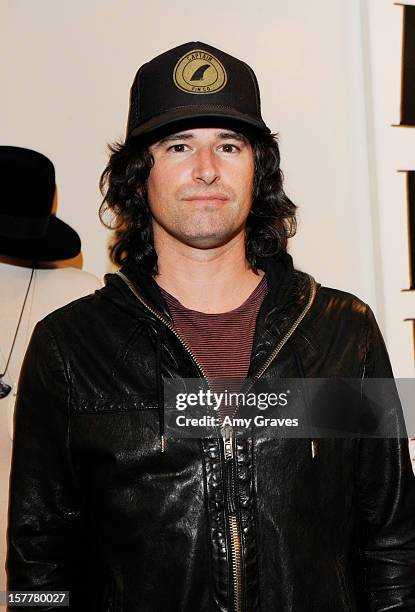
column 60, row 242
column 181, row 114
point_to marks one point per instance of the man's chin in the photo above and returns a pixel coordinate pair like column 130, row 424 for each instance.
column 206, row 241
column 199, row 236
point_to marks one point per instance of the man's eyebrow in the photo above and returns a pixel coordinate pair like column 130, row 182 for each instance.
column 172, row 137
column 232, row 136
column 189, row 135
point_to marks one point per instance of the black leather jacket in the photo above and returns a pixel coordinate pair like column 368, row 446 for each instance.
column 98, row 509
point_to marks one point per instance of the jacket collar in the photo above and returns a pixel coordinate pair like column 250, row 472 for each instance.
column 288, row 290
column 278, row 269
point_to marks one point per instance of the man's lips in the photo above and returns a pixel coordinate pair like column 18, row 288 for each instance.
column 212, row 197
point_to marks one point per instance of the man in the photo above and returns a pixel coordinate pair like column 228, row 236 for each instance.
column 107, row 505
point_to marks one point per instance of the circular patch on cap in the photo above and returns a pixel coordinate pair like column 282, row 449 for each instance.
column 199, row 72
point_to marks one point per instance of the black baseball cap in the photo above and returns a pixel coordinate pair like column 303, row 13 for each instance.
column 194, row 80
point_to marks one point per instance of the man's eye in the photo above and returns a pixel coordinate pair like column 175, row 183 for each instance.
column 178, row 148
column 229, row 148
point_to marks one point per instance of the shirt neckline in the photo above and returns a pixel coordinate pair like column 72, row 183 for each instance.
column 171, row 300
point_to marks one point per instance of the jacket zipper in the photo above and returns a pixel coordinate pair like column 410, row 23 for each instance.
column 227, row 438
column 232, row 520
column 228, row 444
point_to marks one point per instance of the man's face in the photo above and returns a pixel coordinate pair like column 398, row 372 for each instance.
column 200, row 187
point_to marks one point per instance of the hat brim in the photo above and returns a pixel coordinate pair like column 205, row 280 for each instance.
column 181, row 114
column 60, row 242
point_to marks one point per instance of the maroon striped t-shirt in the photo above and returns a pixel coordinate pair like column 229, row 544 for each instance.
column 222, row 343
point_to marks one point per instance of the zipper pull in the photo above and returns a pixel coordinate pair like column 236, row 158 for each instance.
column 227, row 443
column 227, row 435
column 314, row 449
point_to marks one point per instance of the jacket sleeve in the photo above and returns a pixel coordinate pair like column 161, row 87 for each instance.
column 44, row 523
column 385, row 496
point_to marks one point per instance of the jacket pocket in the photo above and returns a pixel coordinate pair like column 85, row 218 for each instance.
column 344, row 589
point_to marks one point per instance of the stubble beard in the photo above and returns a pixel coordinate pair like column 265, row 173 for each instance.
column 203, row 229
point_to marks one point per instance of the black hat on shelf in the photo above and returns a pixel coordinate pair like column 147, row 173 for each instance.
column 194, row 81
column 28, row 229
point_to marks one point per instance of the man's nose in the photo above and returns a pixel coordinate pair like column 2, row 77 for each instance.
column 206, row 168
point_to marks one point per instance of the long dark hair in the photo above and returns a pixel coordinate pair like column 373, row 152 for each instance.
column 123, row 183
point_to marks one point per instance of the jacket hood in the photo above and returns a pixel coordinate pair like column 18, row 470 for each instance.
column 279, row 272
